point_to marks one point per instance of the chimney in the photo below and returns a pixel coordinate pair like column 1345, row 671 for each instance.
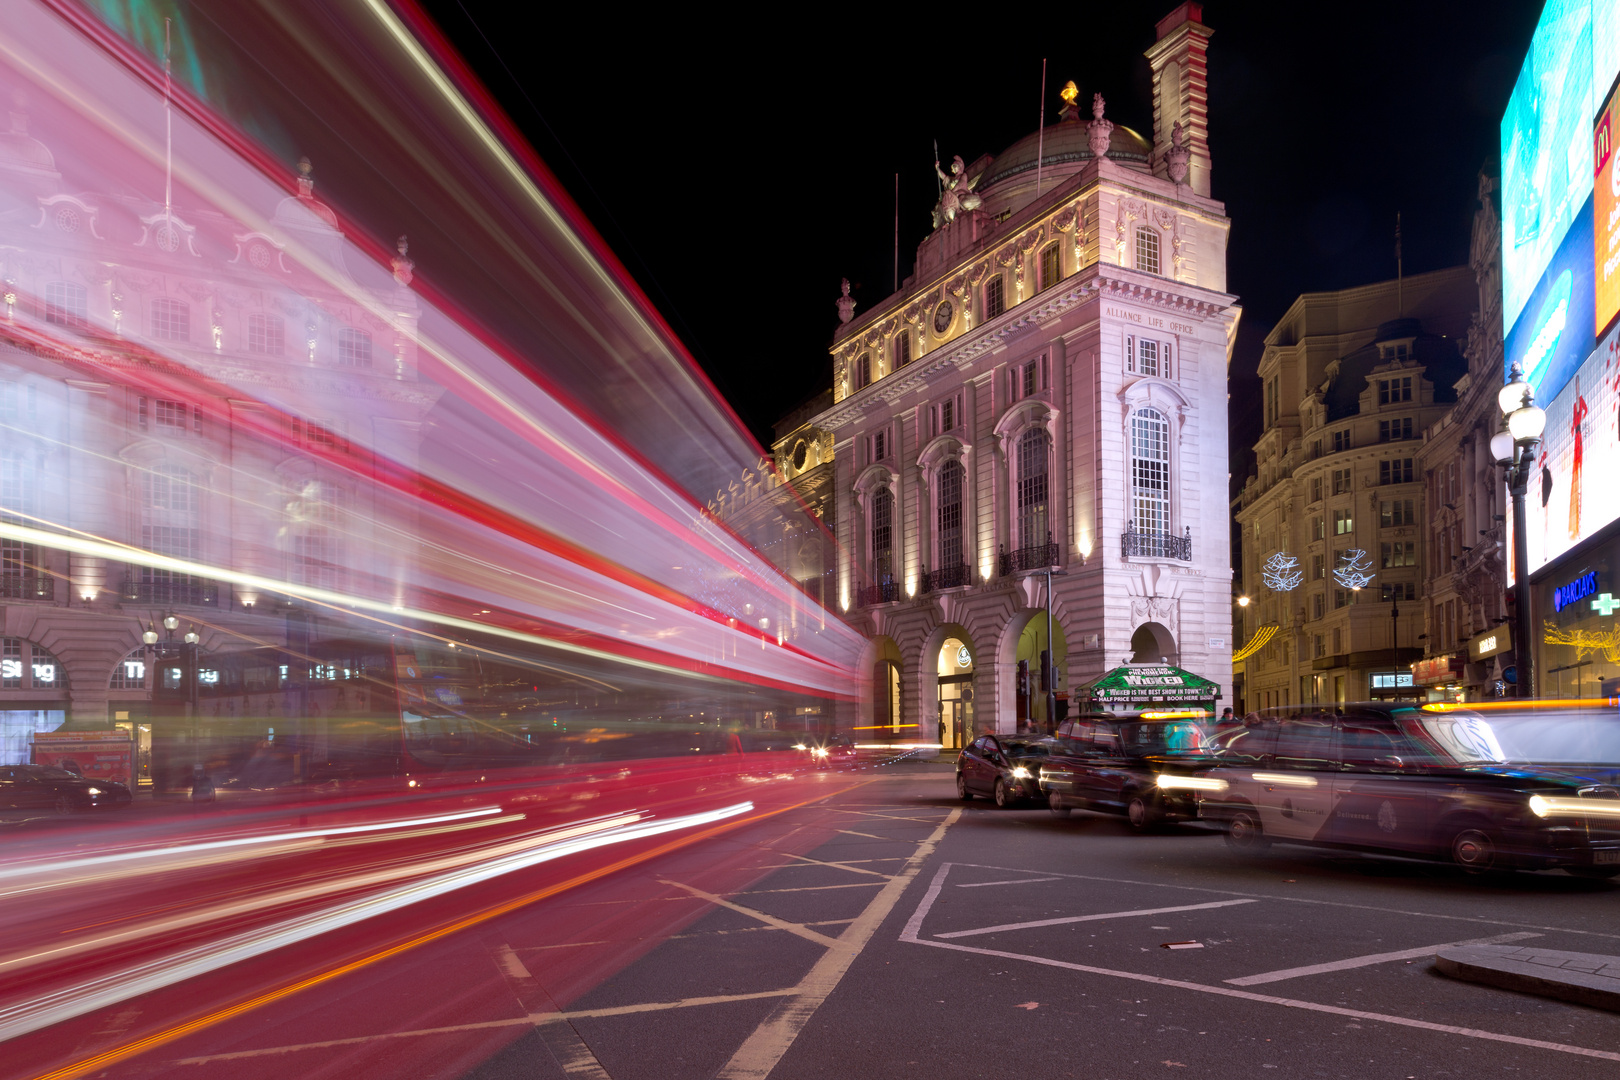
column 1179, row 59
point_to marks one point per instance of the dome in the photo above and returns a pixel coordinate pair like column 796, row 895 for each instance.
column 19, row 150
column 305, row 212
column 1064, row 144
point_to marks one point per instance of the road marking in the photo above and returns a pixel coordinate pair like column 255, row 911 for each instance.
column 913, row 934
column 1370, row 959
column 1013, row 881
column 570, row 1051
column 839, row 865
column 869, row 836
column 484, row 1025
column 763, row 1049
column 511, row 964
column 798, row 929
column 123, row 1052
column 1092, row 918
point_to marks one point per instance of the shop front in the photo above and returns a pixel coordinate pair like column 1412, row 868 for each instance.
column 1440, row 676
column 1490, row 654
column 1578, row 603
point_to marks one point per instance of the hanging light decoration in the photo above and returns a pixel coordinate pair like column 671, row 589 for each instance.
column 1281, row 572
column 1353, row 572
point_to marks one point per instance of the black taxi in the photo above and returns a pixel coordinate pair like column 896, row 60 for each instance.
column 1482, row 789
column 1144, row 765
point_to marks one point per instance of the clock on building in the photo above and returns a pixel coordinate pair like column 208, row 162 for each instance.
column 942, row 316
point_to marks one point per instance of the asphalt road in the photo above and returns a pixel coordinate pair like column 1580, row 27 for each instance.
column 890, row 931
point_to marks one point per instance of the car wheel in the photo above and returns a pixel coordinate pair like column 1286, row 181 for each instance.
column 1473, row 848
column 962, row 791
column 1055, row 803
column 1243, row 832
column 1138, row 811
column 1004, row 798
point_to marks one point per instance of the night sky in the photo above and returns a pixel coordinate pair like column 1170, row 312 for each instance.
column 740, row 173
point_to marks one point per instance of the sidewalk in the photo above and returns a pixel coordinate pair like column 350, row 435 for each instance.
column 1584, row 978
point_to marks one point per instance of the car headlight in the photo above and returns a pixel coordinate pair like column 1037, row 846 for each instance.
column 820, row 751
column 92, row 791
column 1166, row 782
column 1539, row 806
column 1020, row 773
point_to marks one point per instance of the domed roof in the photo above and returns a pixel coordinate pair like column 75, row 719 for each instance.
column 304, row 210
column 1064, row 143
column 20, row 150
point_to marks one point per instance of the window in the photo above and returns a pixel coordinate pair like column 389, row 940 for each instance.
column 1393, row 512
column 1398, row 553
column 902, row 348
column 1318, row 648
column 1271, row 402
column 169, row 523
column 1033, row 451
column 1316, row 489
column 11, row 663
column 1147, row 249
column 170, row 415
column 882, row 537
column 1026, row 379
column 1318, row 527
column 1395, row 471
column 1319, row 609
column 171, row 319
column 315, row 540
column 354, row 348
column 880, row 445
column 1395, row 430
column 994, row 301
column 1341, row 482
column 1147, row 357
column 1344, row 522
column 863, row 371
column 1341, row 598
column 1150, row 472
column 1341, row 440
column 1318, row 568
column 1394, row 391
column 1051, row 273
column 947, row 414
column 46, row 672
column 1338, row 646
column 1393, row 352
column 130, row 674
column 266, row 334
column 1397, row 590
column 67, row 304
column 950, row 514
column 16, row 402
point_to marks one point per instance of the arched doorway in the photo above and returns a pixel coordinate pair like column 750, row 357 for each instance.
column 1152, row 643
column 955, row 662
column 1031, row 696
column 887, row 721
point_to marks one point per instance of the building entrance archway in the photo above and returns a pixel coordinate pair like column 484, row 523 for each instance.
column 1153, row 643
column 954, row 665
column 887, row 721
column 1030, row 695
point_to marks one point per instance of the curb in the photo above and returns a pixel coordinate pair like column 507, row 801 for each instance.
column 1584, row 978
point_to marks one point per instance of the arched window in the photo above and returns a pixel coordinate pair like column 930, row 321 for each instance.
column 170, row 516
column 267, row 334
column 883, row 539
column 950, row 515
column 67, row 304
column 26, row 666
column 171, row 319
column 130, row 674
column 1033, row 451
column 354, row 348
column 1147, row 249
column 1150, row 472
column 21, row 574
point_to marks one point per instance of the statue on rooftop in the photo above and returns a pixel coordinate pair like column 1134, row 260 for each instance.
column 846, row 304
column 1099, row 131
column 956, row 194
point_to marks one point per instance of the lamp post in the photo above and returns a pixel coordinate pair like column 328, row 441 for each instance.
column 1049, row 659
column 1514, row 448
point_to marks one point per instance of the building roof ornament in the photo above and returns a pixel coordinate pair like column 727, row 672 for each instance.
column 403, row 266
column 846, row 304
column 1098, row 131
column 1178, row 155
column 956, row 194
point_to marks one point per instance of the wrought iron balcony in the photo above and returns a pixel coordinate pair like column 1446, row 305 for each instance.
column 192, row 592
column 885, row 592
column 1143, row 545
column 1030, row 557
column 27, row 587
column 948, row 577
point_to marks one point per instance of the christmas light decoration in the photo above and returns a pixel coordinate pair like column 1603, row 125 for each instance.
column 1281, row 572
column 1353, row 571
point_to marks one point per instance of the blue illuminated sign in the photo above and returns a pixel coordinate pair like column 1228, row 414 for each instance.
column 1579, row 589
column 1554, row 335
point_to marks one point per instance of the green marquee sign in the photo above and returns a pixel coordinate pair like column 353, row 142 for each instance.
column 1148, row 682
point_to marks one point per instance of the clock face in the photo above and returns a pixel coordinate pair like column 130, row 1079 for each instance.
column 942, row 316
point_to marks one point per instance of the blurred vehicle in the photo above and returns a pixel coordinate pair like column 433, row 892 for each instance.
column 832, row 750
column 1005, row 768
column 1143, row 766
column 1431, row 781
column 26, row 788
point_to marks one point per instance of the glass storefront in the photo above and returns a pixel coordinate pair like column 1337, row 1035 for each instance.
column 1578, row 640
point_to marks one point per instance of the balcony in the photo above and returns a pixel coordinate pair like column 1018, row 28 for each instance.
column 950, row 577
column 187, row 592
column 27, row 587
column 1032, row 557
column 1139, row 545
column 886, row 592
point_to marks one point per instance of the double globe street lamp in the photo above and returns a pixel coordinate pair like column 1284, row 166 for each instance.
column 1514, row 449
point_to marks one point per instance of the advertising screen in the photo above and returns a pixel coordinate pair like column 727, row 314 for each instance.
column 1546, row 149
column 1554, row 334
column 1606, row 211
column 1572, row 491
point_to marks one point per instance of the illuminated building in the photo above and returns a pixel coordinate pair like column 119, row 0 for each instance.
column 1351, row 380
column 1046, row 391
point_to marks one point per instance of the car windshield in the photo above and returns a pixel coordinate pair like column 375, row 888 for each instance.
column 48, row 772
column 1465, row 738
column 1589, row 738
column 1022, row 748
column 1180, row 737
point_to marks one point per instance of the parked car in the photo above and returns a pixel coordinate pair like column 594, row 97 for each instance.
column 45, row 788
column 1005, row 768
column 1431, row 781
column 1142, row 765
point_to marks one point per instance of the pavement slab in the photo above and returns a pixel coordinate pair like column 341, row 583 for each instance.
column 1584, row 978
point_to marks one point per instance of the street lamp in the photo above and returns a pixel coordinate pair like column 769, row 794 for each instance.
column 1514, row 448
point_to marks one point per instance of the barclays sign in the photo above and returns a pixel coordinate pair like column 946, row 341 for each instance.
column 1579, row 589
